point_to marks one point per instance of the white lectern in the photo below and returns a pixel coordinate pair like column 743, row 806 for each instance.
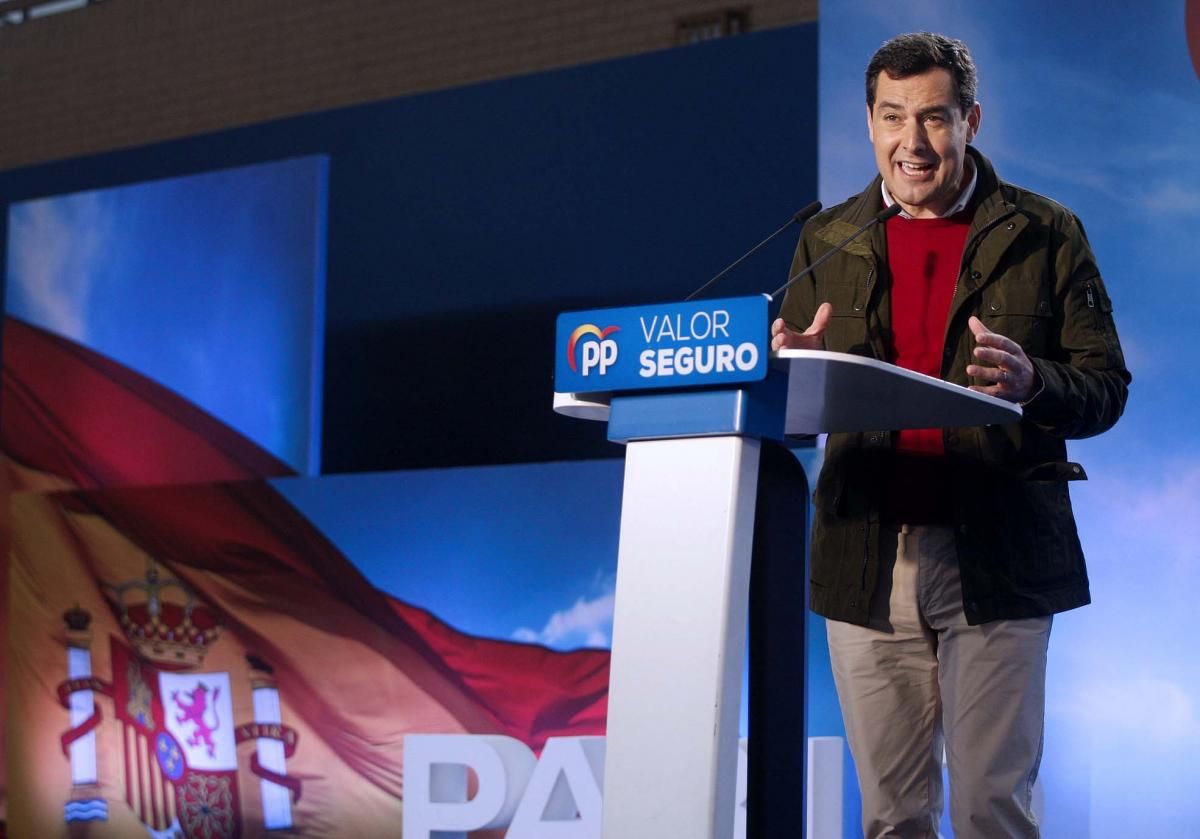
column 684, row 565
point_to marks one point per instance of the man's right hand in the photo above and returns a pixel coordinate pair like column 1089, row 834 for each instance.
column 812, row 338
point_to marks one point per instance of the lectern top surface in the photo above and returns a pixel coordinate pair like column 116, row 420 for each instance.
column 829, row 391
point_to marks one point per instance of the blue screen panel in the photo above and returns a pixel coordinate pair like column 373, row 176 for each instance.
column 212, row 285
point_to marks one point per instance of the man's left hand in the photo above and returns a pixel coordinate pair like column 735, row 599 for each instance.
column 1004, row 368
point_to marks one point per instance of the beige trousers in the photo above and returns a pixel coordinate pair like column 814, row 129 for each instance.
column 918, row 677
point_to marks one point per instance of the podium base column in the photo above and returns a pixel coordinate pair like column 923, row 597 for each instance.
column 679, row 635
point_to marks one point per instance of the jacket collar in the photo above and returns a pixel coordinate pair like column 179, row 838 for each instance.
column 989, row 202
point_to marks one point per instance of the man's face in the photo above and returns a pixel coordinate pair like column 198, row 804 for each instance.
column 920, row 137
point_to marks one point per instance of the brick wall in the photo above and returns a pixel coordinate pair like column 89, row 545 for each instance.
column 127, row 72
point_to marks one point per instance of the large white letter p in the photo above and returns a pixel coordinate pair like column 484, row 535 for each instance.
column 435, row 783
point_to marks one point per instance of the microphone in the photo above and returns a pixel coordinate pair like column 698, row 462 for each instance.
column 799, row 217
column 881, row 216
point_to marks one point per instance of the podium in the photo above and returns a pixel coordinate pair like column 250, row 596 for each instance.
column 683, row 566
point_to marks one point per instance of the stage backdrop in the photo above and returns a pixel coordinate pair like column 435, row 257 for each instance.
column 462, row 221
column 150, row 614
column 1097, row 106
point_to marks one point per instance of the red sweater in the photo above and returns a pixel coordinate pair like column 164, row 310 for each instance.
column 924, row 257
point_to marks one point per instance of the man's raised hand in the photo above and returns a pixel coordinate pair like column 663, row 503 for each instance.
column 812, row 338
column 1006, row 371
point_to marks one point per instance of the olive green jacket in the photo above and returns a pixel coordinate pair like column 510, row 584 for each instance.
column 1028, row 273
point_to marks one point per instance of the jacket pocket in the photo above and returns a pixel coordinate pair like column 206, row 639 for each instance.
column 1100, row 308
column 1035, row 528
column 1020, row 314
column 849, row 299
column 847, row 330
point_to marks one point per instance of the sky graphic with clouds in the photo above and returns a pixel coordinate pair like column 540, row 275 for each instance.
column 210, row 284
column 523, row 552
column 1098, row 106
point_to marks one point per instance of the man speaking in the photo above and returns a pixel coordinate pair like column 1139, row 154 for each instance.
column 940, row 555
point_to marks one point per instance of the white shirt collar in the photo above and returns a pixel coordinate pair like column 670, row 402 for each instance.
column 958, row 206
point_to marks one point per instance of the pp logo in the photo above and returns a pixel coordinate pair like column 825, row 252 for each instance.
column 597, row 355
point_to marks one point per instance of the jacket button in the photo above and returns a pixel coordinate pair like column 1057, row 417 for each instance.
column 975, row 275
column 1012, row 225
column 853, row 603
column 995, row 307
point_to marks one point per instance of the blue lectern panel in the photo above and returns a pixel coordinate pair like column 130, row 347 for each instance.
column 668, row 345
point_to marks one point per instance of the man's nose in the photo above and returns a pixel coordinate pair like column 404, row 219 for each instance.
column 914, row 136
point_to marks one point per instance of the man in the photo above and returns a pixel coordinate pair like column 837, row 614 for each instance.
column 939, row 555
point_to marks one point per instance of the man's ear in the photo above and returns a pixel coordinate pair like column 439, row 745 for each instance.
column 870, row 126
column 973, row 117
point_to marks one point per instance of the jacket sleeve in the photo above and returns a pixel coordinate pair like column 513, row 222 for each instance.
column 1086, row 384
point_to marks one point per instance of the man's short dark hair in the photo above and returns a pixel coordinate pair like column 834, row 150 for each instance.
column 916, row 52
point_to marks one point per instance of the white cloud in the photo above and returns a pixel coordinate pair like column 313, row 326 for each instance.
column 1171, row 197
column 1099, row 148
column 1125, row 659
column 55, row 247
column 1147, row 510
column 1144, row 706
column 586, row 623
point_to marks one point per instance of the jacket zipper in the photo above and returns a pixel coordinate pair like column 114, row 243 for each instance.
column 967, row 249
column 976, row 238
column 1090, row 298
column 879, row 350
column 862, row 586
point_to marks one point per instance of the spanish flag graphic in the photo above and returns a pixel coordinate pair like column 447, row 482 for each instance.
column 187, row 655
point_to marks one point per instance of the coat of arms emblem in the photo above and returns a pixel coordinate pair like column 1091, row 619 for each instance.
column 178, row 736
